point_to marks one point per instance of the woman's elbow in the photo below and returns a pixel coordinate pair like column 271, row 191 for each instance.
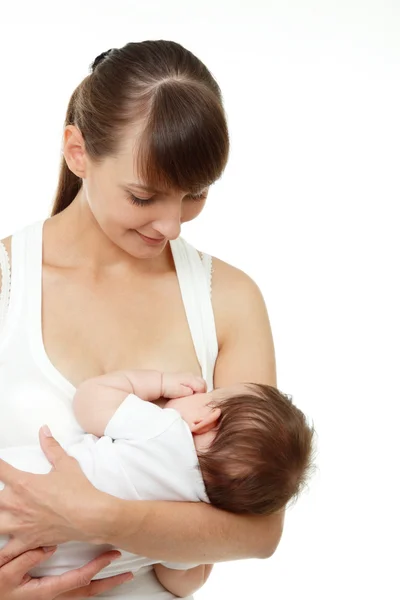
column 270, row 535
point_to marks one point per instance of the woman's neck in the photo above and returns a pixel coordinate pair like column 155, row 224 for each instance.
column 73, row 238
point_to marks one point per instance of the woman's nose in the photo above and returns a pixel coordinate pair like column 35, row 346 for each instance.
column 169, row 224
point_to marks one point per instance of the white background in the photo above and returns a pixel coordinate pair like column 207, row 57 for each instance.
column 307, row 206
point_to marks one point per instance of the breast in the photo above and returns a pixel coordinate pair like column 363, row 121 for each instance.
column 94, row 327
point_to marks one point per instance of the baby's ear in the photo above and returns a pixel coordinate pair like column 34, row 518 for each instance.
column 206, row 423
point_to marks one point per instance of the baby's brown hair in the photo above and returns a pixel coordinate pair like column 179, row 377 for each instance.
column 262, row 454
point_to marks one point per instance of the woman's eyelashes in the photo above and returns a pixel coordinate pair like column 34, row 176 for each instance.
column 139, row 201
column 146, row 201
column 198, row 197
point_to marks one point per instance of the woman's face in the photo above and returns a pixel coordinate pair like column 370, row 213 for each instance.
column 139, row 220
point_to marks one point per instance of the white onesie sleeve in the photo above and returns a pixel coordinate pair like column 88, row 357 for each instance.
column 140, row 420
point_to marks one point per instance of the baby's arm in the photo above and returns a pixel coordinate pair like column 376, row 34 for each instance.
column 182, row 583
column 97, row 399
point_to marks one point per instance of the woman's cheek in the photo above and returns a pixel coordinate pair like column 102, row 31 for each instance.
column 191, row 210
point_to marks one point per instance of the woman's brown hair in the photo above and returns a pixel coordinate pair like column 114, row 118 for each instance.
column 176, row 104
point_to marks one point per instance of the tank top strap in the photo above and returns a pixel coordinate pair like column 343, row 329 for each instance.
column 206, row 259
column 194, row 277
column 26, row 264
column 24, row 277
column 33, row 278
column 5, row 273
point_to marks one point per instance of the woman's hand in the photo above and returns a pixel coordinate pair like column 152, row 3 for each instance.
column 16, row 584
column 46, row 510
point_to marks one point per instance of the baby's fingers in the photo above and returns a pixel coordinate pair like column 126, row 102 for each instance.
column 178, row 385
column 195, row 383
column 179, row 391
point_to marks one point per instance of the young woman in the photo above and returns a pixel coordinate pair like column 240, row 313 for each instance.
column 107, row 283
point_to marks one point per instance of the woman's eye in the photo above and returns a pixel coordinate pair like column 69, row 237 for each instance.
column 197, row 197
column 139, row 201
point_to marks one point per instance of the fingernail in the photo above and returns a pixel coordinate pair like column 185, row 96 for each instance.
column 47, row 431
column 49, row 548
column 128, row 577
column 116, row 555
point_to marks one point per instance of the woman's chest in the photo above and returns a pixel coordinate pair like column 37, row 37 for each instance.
column 98, row 328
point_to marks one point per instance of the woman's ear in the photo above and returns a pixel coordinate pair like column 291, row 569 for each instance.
column 207, row 423
column 74, row 151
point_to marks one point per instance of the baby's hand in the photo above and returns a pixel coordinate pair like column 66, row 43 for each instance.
column 177, row 385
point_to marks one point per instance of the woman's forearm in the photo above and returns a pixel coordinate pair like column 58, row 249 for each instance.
column 192, row 532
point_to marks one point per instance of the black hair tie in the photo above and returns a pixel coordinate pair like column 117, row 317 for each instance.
column 100, row 58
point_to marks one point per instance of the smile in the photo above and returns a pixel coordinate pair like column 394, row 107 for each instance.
column 151, row 241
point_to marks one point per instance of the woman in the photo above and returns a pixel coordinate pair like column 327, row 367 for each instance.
column 106, row 284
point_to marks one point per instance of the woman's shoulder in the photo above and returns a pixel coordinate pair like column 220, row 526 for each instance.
column 7, row 243
column 228, row 279
column 235, row 295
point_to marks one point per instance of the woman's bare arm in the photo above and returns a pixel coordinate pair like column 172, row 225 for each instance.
column 192, row 532
column 246, row 349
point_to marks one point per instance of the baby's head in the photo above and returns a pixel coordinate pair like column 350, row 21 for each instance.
column 254, row 446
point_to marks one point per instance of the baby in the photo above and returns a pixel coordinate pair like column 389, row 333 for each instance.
column 159, row 436
column 253, row 445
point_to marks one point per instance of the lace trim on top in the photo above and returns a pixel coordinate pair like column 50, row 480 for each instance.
column 5, row 290
column 207, row 261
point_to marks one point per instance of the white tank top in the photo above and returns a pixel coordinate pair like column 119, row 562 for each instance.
column 33, row 392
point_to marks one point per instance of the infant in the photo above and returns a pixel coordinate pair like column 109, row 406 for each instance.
column 253, row 445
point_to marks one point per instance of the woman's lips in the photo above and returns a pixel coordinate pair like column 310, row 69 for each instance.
column 151, row 241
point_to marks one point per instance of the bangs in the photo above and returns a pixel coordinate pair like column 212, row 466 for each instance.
column 185, row 143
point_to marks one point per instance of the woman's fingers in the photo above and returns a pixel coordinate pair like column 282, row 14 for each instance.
column 15, row 583
column 48, row 509
column 11, row 550
column 97, row 587
column 8, row 474
column 54, row 453
column 12, row 574
column 78, row 578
